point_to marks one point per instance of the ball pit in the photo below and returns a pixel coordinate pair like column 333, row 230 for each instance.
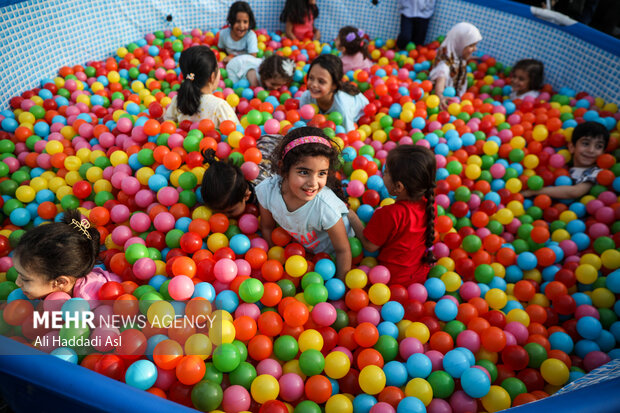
column 523, row 295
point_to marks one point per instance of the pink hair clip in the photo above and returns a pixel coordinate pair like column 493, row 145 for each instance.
column 303, row 140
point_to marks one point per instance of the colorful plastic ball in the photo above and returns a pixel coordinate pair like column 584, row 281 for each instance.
column 251, row 290
column 419, row 365
column 226, row 357
column 236, row 399
column 446, row 310
column 554, row 372
column 311, row 362
column 496, row 399
column 296, row 266
column 455, row 363
column 181, row 288
column 141, row 374
column 225, row 270
column 265, row 388
column 337, row 365
column 475, row 382
column 207, row 395
column 372, row 379
column 411, row 405
column 589, row 328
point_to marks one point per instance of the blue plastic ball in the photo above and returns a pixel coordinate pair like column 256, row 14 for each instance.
column 142, row 374
column 446, row 310
column 326, row 268
column 561, row 341
column 395, row 373
column 411, row 405
column 475, row 382
column 435, row 288
column 363, row 403
column 455, row 363
column 240, row 244
column 419, row 365
column 392, row 311
column 589, row 327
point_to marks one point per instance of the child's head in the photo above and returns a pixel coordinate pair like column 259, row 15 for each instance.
column 241, row 19
column 296, row 11
column 526, row 75
column 351, row 41
column 410, row 171
column 325, row 78
column 276, row 71
column 200, row 72
column 307, row 160
column 588, row 142
column 51, row 257
column 224, row 189
column 462, row 40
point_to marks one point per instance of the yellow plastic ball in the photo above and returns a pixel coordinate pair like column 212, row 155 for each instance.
column 264, row 388
column 446, row 262
column 310, row 340
column 504, row 216
column 560, row 235
column 38, row 183
column 498, row 269
column 496, row 298
column 217, row 241
column 72, row 163
column 276, row 253
column 432, row 101
column 406, row 116
column 540, row 133
column 452, row 281
column 379, row 136
column 356, row 278
column 54, row 147
column 379, row 294
column 202, row 212
column 223, row 331
column 539, row 299
column 73, row 177
column 102, row 185
column 497, row 399
column 372, row 379
column 198, row 345
column 603, row 298
column 118, row 158
column 296, row 266
column 161, row 314
column 516, row 207
column 420, row 388
column 490, row 148
column 609, row 258
column 387, row 201
column 419, row 331
column 143, row 174
column 592, row 259
column 473, row 171
column 337, row 365
column 531, row 161
column 586, row 274
column 25, row 194
column 360, row 175
column 554, row 371
column 514, row 185
column 339, row 403
column 521, row 316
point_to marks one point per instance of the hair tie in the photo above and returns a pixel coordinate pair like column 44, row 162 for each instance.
column 288, row 66
column 350, row 37
column 190, row 77
column 83, row 226
column 360, row 33
column 303, row 140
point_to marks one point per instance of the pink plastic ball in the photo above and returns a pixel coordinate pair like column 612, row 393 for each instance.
column 272, row 126
column 249, row 309
column 140, row 222
column 165, row 378
column 291, row 387
column 269, row 366
column 259, row 243
column 595, row 359
column 409, row 346
column 607, row 197
column 382, row 407
column 119, row 213
column 236, row 399
column 55, row 300
column 104, row 338
column 436, row 359
column 248, row 224
column 181, row 287
column 164, row 222
column 130, row 185
column 586, row 310
column 468, row 339
column 417, row 292
column 497, row 170
column 519, row 331
column 598, row 230
column 121, row 234
column 144, row 268
column 324, row 314
column 250, row 170
column 243, row 267
column 225, row 270
column 124, row 125
column 606, row 215
column 462, row 403
column 557, row 160
column 379, row 274
column 355, row 188
column 469, row 290
column 144, row 198
column 438, row 406
column 569, row 247
column 369, row 315
column 167, row 196
column 441, row 250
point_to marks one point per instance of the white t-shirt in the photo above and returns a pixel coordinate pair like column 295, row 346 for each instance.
column 350, row 107
column 532, row 93
column 211, row 107
column 247, row 44
column 309, row 223
column 442, row 70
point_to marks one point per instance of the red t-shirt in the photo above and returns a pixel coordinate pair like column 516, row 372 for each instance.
column 400, row 230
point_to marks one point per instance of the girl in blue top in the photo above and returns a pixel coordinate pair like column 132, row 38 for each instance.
column 305, row 197
column 238, row 38
column 330, row 93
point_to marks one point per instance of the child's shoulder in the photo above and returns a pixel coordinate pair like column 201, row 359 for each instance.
column 328, row 198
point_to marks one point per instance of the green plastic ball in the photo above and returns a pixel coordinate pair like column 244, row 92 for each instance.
column 442, row 384
column 207, row 395
column 226, row 357
column 311, row 362
column 251, row 290
column 243, row 375
column 285, row 348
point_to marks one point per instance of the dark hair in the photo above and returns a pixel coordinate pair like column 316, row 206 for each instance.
column 333, row 65
column 296, row 11
column 240, row 7
column 356, row 44
column 415, row 167
column 198, row 62
column 59, row 248
column 223, row 184
column 535, row 69
column 592, row 130
column 281, row 164
column 272, row 68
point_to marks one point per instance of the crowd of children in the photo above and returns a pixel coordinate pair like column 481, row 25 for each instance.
column 297, row 187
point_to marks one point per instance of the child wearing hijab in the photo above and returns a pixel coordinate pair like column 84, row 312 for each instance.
column 450, row 69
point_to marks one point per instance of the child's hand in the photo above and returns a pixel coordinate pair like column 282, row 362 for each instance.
column 443, row 102
column 527, row 193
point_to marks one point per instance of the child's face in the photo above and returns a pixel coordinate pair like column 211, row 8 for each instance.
column 586, row 151
column 34, row 286
column 469, row 50
column 237, row 209
column 305, row 180
column 274, row 83
column 241, row 26
column 520, row 81
column 320, row 83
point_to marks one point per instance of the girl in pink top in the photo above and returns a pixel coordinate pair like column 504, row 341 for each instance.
column 299, row 17
column 60, row 257
column 354, row 48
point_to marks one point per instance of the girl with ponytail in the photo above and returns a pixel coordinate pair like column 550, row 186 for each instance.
column 404, row 230
column 195, row 100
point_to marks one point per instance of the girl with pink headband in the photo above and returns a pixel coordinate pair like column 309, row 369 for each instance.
column 305, row 197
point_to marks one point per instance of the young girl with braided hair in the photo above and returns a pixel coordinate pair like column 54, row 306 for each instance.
column 271, row 73
column 404, row 230
column 60, row 257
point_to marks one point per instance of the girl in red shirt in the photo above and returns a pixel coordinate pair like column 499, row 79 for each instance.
column 404, row 230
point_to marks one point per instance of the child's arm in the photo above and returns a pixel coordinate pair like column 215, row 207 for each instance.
column 561, row 192
column 440, row 85
column 267, row 224
column 358, row 228
column 289, row 30
column 252, row 78
column 317, row 34
column 340, row 241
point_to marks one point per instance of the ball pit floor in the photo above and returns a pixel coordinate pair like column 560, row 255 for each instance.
column 522, row 301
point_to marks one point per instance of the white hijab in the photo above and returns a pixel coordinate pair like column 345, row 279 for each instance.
column 459, row 37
